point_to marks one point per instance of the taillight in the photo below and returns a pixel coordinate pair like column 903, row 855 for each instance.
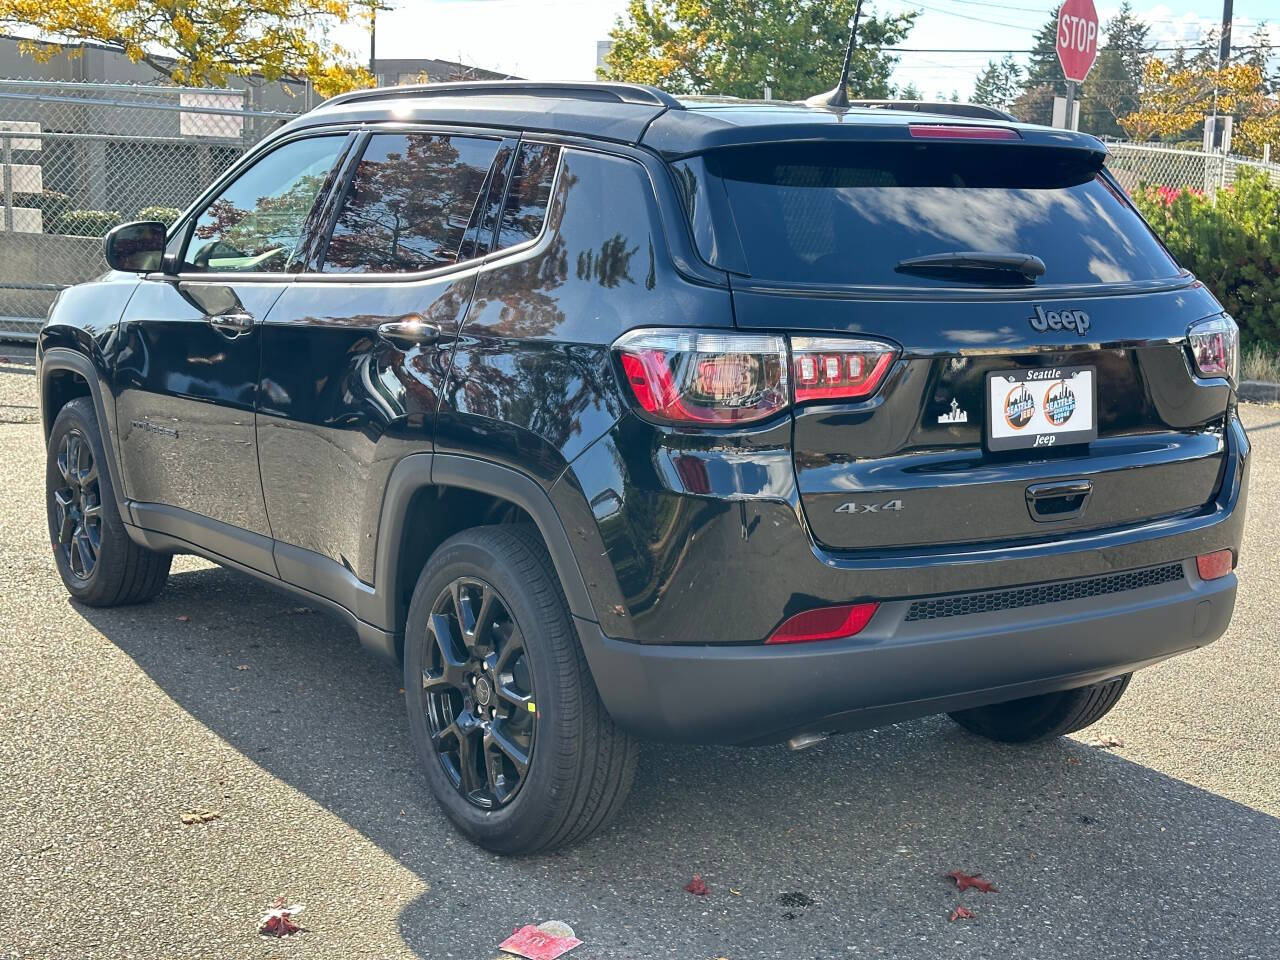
column 719, row 379
column 825, row 623
column 1215, row 347
column 682, row 377
column 838, row 369
column 1216, row 565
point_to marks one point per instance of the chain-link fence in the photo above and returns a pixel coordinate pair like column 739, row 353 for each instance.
column 1144, row 164
column 78, row 158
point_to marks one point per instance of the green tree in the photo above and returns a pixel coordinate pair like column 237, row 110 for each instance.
column 735, row 48
column 999, row 84
column 1114, row 87
column 909, row 92
column 1043, row 68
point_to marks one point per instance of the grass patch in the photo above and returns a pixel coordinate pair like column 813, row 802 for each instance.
column 1260, row 362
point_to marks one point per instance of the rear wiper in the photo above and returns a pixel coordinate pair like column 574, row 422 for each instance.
column 1024, row 265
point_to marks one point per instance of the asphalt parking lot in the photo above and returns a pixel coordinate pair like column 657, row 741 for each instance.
column 225, row 696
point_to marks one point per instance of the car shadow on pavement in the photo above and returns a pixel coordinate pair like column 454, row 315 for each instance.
column 838, row 850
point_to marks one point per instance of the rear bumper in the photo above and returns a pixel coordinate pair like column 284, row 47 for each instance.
column 900, row 668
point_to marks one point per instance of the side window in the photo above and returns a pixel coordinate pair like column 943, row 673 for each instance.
column 529, row 194
column 259, row 222
column 409, row 203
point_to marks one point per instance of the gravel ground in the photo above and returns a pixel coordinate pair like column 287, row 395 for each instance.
column 225, row 696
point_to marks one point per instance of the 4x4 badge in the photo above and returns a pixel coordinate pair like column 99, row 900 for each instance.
column 891, row 506
column 1044, row 320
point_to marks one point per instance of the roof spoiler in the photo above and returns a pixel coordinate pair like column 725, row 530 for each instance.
column 944, row 107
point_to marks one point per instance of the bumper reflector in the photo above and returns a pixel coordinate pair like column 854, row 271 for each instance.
column 825, row 623
column 1214, row 566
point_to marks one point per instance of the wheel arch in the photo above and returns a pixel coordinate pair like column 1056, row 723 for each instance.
column 65, row 375
column 486, row 486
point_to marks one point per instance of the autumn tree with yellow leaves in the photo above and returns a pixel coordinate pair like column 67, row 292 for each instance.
column 1175, row 101
column 202, row 42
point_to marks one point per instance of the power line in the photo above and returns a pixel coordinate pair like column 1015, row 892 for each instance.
column 1241, row 46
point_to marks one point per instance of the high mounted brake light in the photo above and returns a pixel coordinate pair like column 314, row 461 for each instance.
column 956, row 131
column 682, row 377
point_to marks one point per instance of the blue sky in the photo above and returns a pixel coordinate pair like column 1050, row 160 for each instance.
column 555, row 39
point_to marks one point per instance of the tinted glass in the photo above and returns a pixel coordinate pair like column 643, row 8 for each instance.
column 528, row 195
column 409, row 203
column 259, row 222
column 479, row 239
column 850, row 213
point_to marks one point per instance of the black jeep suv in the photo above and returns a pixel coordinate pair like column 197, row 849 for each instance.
column 614, row 415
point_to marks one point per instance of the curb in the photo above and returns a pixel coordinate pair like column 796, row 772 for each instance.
column 1259, row 391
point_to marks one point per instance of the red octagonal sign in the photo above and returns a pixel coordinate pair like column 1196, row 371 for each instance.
column 1077, row 38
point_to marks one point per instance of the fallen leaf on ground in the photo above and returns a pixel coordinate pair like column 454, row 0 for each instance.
column 1106, row 743
column 965, row 880
column 196, row 815
column 184, row 619
column 279, row 920
column 697, row 886
column 1075, row 760
column 242, row 666
column 960, row 913
column 736, row 893
column 543, row 942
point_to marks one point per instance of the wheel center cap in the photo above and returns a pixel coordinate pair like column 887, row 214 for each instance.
column 484, row 693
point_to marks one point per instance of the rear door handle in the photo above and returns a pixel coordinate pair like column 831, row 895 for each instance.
column 232, row 324
column 411, row 331
column 1058, row 500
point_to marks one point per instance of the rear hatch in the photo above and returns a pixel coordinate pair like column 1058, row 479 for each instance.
column 1044, row 383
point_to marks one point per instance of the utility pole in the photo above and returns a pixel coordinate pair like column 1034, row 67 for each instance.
column 1224, row 57
column 1224, row 45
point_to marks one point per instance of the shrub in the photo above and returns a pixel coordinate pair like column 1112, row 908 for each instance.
column 50, row 203
column 87, row 223
column 166, row 215
column 1231, row 243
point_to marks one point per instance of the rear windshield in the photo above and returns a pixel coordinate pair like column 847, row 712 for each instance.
column 843, row 213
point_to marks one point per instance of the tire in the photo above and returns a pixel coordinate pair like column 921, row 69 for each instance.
column 99, row 565
column 526, row 662
column 1050, row 715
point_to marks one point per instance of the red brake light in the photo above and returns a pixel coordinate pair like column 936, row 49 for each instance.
column 825, row 623
column 838, row 369
column 1216, row 565
column 716, row 379
column 955, row 131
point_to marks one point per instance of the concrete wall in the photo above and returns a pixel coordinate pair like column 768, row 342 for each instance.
column 27, row 258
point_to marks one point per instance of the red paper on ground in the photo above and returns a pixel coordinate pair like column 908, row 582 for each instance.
column 537, row 944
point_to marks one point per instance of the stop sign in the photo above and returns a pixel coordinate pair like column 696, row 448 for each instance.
column 1077, row 38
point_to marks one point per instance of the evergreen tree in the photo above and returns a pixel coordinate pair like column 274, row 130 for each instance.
column 1044, row 68
column 1114, row 87
column 999, row 84
column 909, row 92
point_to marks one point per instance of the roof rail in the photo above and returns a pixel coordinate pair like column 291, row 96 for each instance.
column 945, row 107
column 607, row 92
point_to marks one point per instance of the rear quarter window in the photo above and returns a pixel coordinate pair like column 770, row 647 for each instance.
column 849, row 214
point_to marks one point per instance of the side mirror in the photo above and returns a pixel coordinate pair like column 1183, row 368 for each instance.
column 135, row 247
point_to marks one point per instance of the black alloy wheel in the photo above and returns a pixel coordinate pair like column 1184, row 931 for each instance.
column 478, row 692
column 77, row 505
